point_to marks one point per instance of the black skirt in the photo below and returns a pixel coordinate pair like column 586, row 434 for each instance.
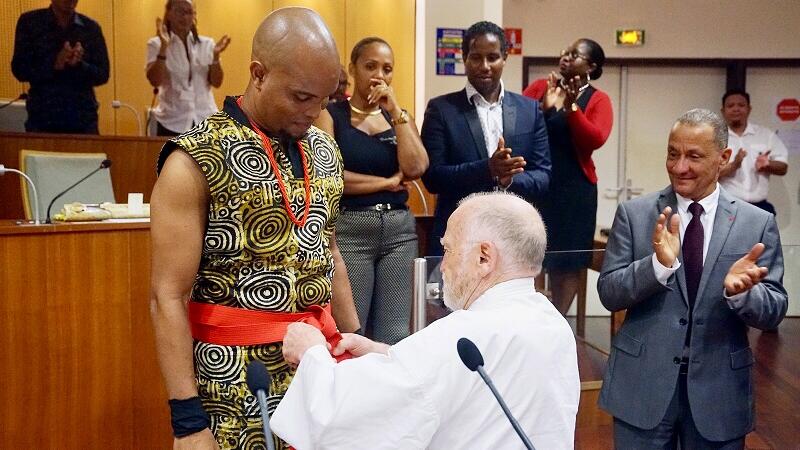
column 570, row 214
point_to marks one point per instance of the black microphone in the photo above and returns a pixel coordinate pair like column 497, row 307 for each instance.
column 472, row 358
column 103, row 165
column 258, row 381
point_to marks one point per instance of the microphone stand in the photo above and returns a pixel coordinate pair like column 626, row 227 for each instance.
column 258, row 381
column 503, row 405
column 4, row 169
column 116, row 104
column 102, row 166
column 472, row 358
column 262, row 406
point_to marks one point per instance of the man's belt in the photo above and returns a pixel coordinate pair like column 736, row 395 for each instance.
column 226, row 325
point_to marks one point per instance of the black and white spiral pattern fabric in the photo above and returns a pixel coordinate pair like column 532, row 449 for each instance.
column 255, row 257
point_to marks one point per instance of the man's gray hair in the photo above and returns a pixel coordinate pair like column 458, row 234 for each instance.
column 698, row 116
column 512, row 223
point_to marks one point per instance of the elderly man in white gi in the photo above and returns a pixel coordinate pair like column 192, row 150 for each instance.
column 417, row 393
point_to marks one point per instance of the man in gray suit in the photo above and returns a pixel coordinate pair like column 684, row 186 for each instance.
column 691, row 282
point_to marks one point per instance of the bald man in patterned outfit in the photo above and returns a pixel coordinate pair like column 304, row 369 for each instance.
column 242, row 226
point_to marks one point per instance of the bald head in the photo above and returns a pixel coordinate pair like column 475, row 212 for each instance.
column 294, row 69
column 294, row 35
column 513, row 224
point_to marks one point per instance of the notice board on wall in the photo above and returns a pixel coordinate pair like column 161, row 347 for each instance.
column 448, row 51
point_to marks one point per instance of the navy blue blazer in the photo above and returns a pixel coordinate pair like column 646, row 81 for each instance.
column 459, row 163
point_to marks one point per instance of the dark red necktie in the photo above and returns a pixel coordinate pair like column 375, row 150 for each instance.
column 693, row 252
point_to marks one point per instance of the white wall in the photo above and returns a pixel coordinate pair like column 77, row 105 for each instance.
column 452, row 14
column 680, row 29
column 677, row 28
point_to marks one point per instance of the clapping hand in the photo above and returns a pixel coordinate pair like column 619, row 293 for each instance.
column 571, row 91
column 503, row 166
column 77, row 55
column 220, row 47
column 740, row 155
column 162, row 33
column 69, row 55
column 745, row 273
column 553, row 92
column 666, row 237
column 762, row 161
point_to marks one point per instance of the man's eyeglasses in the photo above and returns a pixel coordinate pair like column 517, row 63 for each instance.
column 573, row 54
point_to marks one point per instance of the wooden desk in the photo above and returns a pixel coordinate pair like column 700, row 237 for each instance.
column 78, row 354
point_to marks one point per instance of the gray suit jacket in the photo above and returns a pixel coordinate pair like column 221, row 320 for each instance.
column 642, row 371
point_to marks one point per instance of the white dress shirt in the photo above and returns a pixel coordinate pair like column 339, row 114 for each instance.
column 183, row 102
column 421, row 395
column 746, row 183
column 490, row 115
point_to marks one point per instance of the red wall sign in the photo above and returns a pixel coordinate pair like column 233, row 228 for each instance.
column 788, row 109
column 514, row 40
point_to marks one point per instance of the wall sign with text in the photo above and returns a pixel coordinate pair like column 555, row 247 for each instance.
column 448, row 51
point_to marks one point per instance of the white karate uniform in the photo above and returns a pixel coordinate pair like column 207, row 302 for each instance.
column 422, row 396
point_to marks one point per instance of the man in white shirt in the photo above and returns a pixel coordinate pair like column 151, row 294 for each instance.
column 759, row 153
column 418, row 394
column 691, row 283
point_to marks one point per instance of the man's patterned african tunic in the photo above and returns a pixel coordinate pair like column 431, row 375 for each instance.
column 255, row 257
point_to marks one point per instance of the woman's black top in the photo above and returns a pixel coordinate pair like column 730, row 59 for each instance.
column 366, row 154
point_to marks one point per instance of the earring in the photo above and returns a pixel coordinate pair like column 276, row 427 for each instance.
column 588, row 76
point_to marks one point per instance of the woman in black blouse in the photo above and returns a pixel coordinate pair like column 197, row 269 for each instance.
column 376, row 233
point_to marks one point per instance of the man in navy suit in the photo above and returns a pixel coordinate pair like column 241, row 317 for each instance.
column 694, row 267
column 482, row 137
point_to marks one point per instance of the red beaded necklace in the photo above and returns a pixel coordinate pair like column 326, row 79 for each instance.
column 274, row 164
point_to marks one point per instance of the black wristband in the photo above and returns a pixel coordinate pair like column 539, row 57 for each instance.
column 188, row 416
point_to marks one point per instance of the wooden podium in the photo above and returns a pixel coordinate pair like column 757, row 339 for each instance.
column 78, row 354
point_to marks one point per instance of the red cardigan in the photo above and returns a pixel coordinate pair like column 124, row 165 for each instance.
column 590, row 128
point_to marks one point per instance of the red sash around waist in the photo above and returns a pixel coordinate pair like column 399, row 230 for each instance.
column 226, row 325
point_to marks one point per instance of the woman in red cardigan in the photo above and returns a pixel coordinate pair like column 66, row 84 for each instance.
column 579, row 119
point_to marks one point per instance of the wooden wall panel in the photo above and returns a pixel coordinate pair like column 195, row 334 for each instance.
column 128, row 24
column 149, row 408
column 103, row 13
column 23, row 288
column 134, row 24
column 9, row 13
column 133, row 170
column 394, row 21
column 238, row 20
column 88, row 315
column 79, row 360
